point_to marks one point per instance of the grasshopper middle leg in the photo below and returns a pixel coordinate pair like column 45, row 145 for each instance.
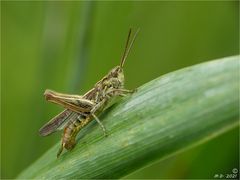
column 94, row 110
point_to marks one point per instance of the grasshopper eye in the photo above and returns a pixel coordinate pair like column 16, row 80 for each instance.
column 114, row 74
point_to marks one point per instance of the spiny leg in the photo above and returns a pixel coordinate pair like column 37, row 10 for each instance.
column 98, row 106
column 101, row 125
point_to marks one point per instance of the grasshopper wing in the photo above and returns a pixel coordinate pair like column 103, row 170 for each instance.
column 56, row 123
column 73, row 102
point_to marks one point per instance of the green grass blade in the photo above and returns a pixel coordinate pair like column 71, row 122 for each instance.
column 167, row 115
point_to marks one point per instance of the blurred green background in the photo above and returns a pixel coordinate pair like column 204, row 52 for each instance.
column 68, row 46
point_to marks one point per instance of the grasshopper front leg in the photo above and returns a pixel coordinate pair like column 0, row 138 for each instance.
column 122, row 92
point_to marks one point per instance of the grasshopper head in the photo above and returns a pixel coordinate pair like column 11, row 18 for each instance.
column 116, row 77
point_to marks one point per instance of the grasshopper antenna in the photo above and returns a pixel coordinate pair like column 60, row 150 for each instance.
column 127, row 49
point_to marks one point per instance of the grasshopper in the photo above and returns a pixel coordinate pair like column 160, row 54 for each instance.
column 80, row 110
